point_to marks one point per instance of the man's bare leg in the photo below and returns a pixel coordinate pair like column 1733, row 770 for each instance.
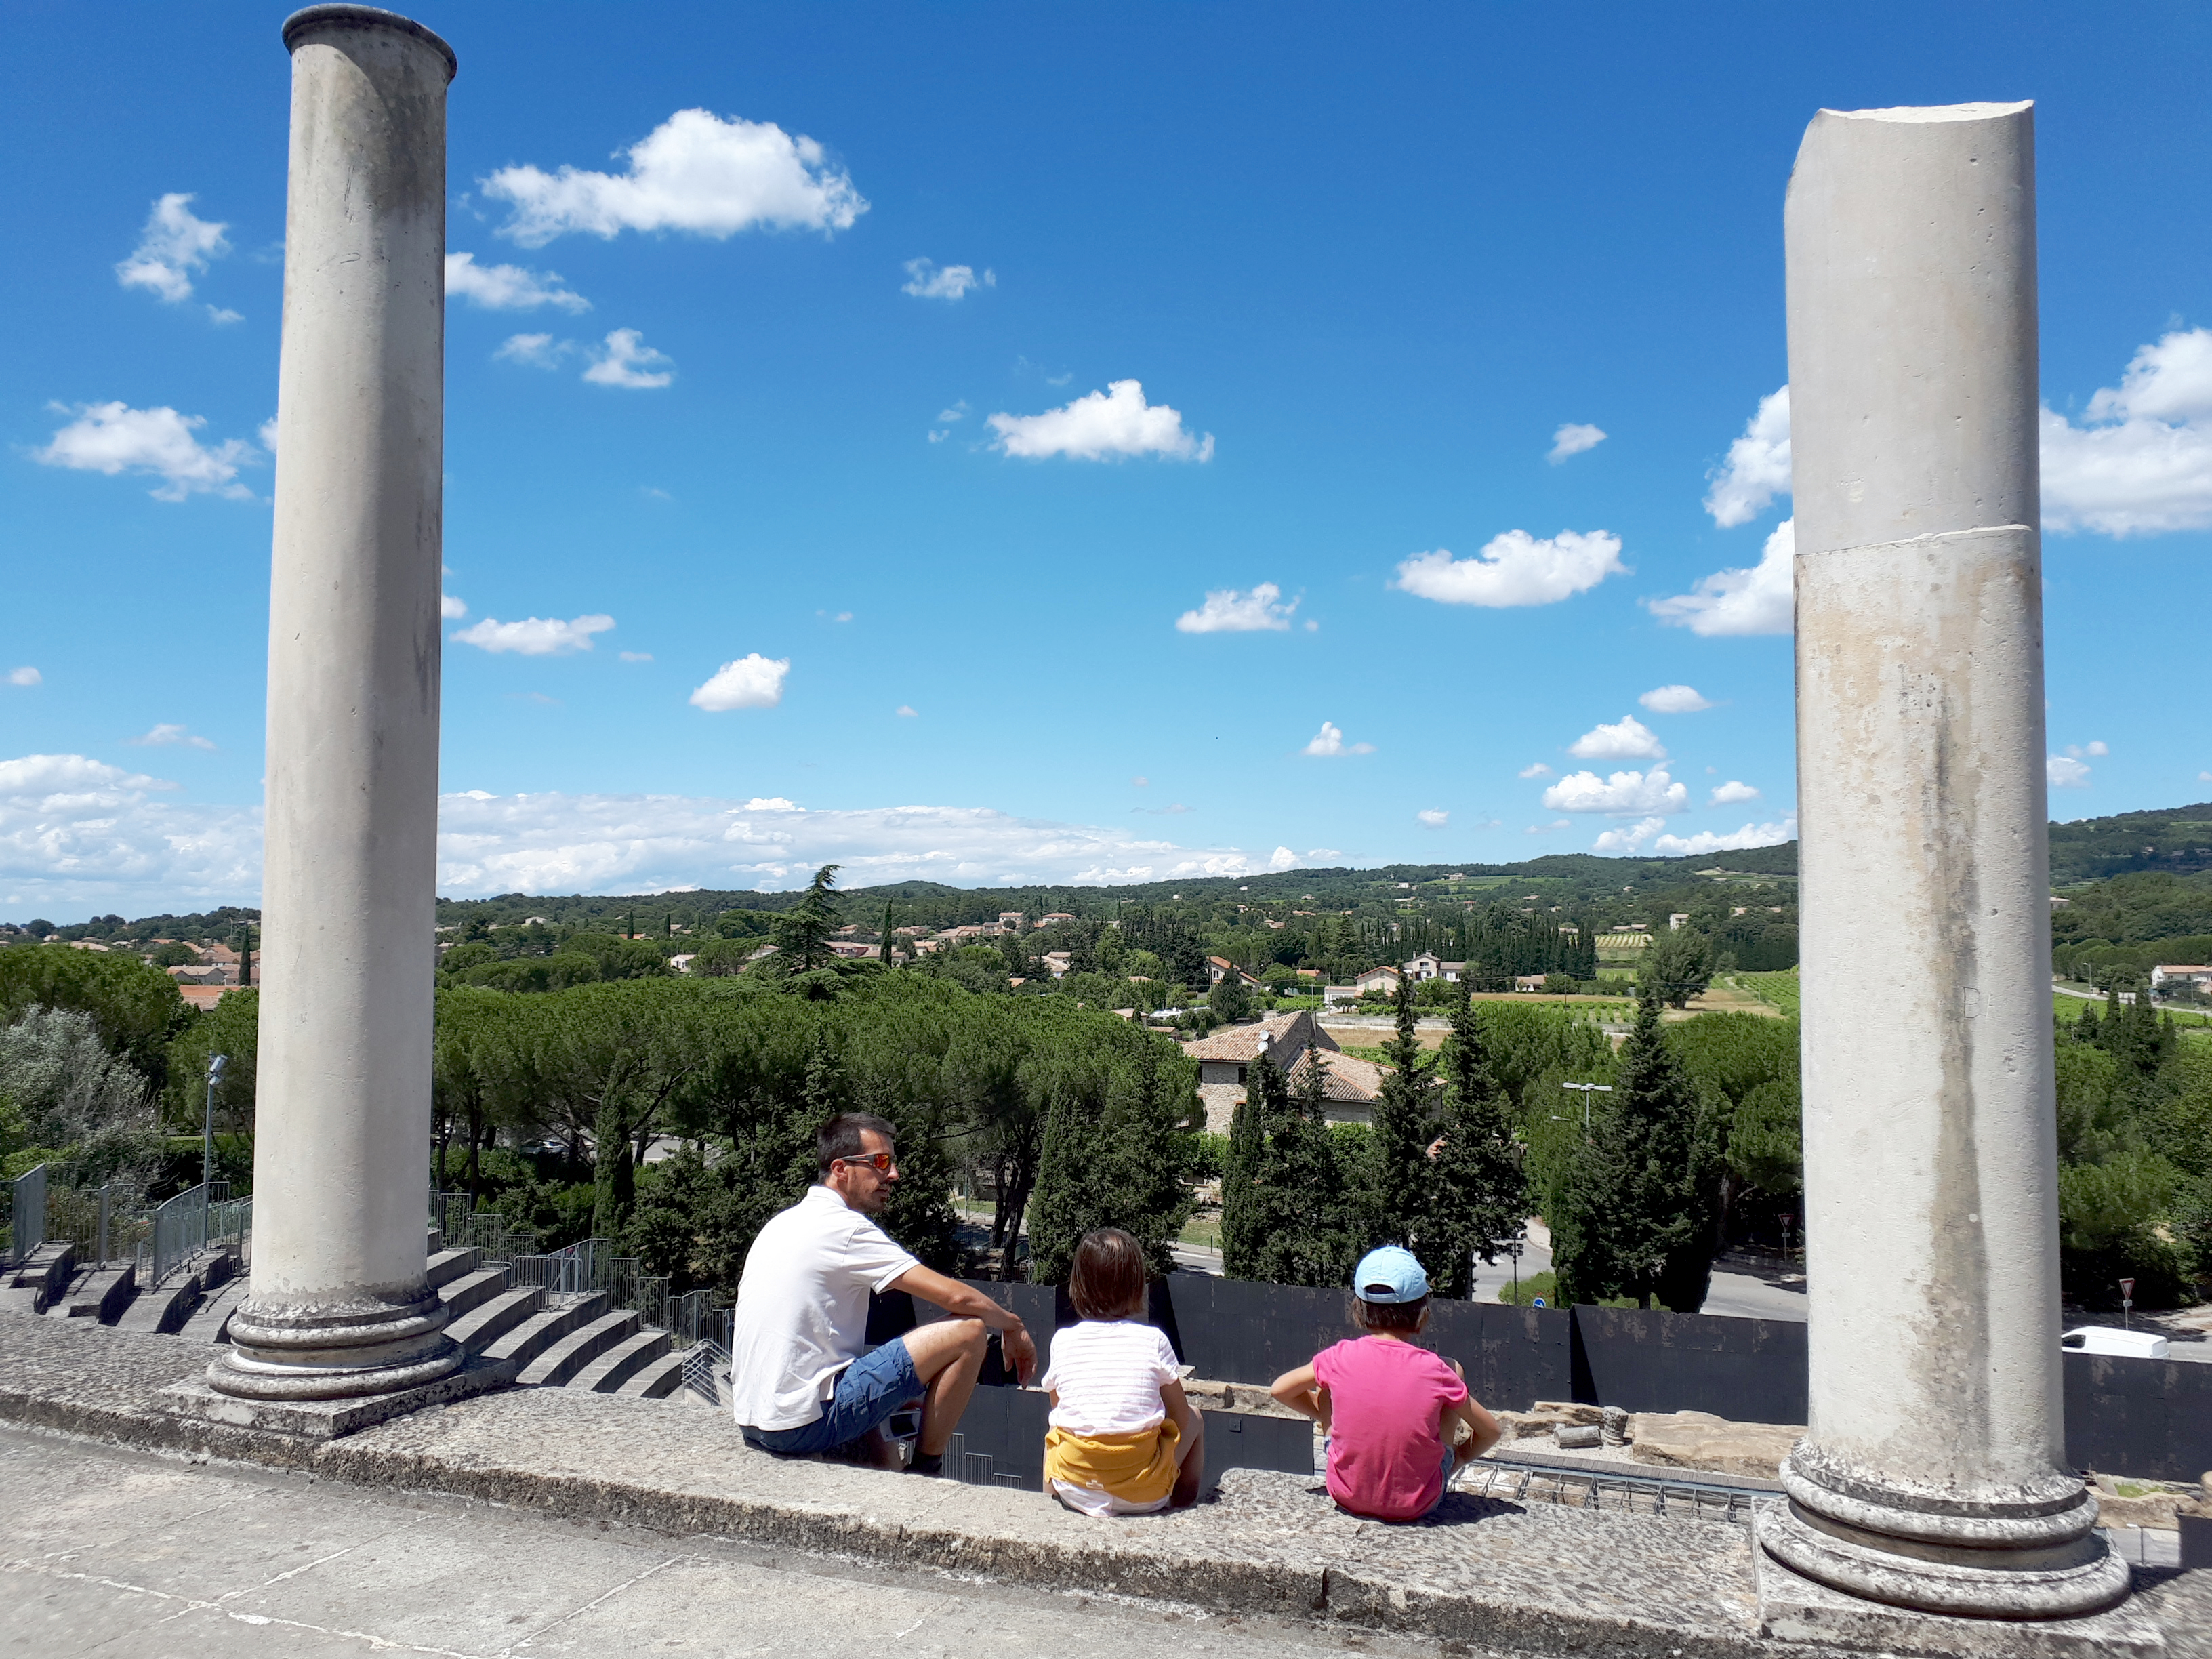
column 948, row 1357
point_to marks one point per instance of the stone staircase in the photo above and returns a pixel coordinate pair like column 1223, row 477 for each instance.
column 580, row 1342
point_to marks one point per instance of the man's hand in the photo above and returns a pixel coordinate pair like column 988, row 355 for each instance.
column 962, row 1303
column 1021, row 1353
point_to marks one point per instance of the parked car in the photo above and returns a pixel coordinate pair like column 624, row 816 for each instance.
column 2111, row 1340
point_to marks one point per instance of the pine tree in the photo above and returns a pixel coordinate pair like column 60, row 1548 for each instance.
column 1399, row 1196
column 802, row 931
column 1635, row 1209
column 1479, row 1195
column 1115, row 1153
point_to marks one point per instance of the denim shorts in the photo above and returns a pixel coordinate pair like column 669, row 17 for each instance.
column 868, row 1391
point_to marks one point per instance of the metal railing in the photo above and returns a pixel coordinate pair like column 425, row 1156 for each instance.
column 102, row 1223
column 26, row 1213
column 495, row 1239
column 181, row 1229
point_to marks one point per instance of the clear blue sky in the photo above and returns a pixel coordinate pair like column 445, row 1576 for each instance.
column 1380, row 258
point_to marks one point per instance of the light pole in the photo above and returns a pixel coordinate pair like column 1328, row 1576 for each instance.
column 1587, row 1090
column 207, row 1125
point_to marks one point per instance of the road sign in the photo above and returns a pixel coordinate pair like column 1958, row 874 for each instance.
column 2127, row 1287
column 1539, row 1302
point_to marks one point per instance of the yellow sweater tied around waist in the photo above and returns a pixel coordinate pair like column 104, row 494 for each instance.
column 1137, row 1467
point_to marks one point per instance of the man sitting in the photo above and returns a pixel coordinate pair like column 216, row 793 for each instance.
column 803, row 1384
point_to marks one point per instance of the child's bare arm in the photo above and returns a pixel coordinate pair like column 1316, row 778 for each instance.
column 1483, row 1430
column 1301, row 1392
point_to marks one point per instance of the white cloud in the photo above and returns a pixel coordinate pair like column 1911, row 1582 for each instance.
column 1141, row 781
column 1100, row 426
column 165, row 736
column 112, row 438
column 2141, row 461
column 76, row 832
column 26, row 675
column 627, row 360
column 1515, row 568
column 534, row 636
column 1759, row 600
column 1573, row 439
column 751, row 681
column 451, row 609
column 926, row 279
column 2093, row 750
column 1623, row 794
column 1430, row 818
column 1757, row 465
column 1330, row 741
column 223, row 316
column 1752, row 834
column 174, row 244
column 633, row 656
column 2067, row 772
column 906, row 711
column 508, row 288
column 267, row 434
column 1535, row 769
column 535, row 350
column 1732, row 793
column 1551, row 829
column 695, row 171
column 1673, row 700
column 1629, row 740
column 1629, row 838
column 1229, row 611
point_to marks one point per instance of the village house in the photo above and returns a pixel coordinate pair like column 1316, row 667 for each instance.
column 1048, row 920
column 1219, row 968
column 1383, row 979
column 1294, row 1042
column 1009, row 919
column 1428, row 965
column 2171, row 975
column 1057, row 961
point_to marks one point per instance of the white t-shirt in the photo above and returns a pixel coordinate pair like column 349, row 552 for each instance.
column 1107, row 1375
column 803, row 1308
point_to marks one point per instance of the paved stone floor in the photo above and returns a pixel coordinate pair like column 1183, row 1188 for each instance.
column 134, row 1556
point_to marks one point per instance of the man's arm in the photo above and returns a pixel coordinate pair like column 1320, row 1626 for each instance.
column 962, row 1303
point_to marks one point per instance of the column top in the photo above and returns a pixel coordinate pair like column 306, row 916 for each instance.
column 1930, row 114
column 343, row 16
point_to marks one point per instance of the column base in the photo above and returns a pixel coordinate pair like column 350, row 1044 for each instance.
column 2006, row 1619
column 328, row 1420
column 336, row 1352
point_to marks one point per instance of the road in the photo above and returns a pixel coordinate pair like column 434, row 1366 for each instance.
column 131, row 1556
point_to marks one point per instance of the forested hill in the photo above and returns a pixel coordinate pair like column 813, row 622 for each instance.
column 2178, row 841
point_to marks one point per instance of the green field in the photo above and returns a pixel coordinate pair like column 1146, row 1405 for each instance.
column 1778, row 990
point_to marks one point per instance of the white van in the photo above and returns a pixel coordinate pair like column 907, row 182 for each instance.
column 2110, row 1339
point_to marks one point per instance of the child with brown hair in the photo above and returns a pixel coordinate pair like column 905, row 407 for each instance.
column 1123, row 1440
column 1391, row 1410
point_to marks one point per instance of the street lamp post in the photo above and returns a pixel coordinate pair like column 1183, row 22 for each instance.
column 1588, row 1089
column 207, row 1124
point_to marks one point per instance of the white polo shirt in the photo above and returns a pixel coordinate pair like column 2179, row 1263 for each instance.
column 803, row 1308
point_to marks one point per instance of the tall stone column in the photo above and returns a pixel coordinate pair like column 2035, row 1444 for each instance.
column 339, row 1307
column 1933, row 1474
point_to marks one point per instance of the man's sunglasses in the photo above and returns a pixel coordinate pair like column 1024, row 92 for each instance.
column 879, row 1162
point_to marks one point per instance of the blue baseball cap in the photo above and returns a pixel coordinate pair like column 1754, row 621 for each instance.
column 1391, row 1274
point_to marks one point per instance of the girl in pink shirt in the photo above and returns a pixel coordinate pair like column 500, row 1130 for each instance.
column 1390, row 1410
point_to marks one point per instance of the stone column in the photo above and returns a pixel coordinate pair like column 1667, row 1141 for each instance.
column 339, row 1307
column 1933, row 1474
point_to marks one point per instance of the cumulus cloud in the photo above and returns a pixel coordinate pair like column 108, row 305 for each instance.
column 626, row 361
column 1535, row 769
column 751, row 681
column 1760, row 600
column 451, row 609
column 696, row 171
column 1625, row 794
column 1673, row 700
column 2079, row 751
column 534, row 636
column 2141, row 461
column 76, row 832
column 267, row 434
column 1515, row 568
column 1627, row 838
column 1573, row 439
column 1733, row 793
column 25, row 675
column 508, row 288
column 1227, row 610
column 1431, row 819
column 2065, row 772
column 905, row 711
column 173, row 246
column 1102, row 426
column 926, row 279
column 1329, row 740
column 535, row 350
column 112, row 438
column 1628, row 739
column 165, row 736
column 1757, row 469
column 1752, row 834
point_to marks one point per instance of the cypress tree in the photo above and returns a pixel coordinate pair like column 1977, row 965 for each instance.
column 1116, row 1153
column 1399, row 1193
column 1635, row 1209
column 614, row 1173
column 1479, row 1195
column 1266, row 1101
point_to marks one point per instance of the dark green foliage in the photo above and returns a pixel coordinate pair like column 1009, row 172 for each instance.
column 1229, row 1000
column 1289, row 1203
column 1400, row 1195
column 1766, row 1139
column 1115, row 1153
column 1635, row 1209
column 1478, row 1196
column 135, row 1008
column 802, row 932
column 614, row 1174
column 1675, row 966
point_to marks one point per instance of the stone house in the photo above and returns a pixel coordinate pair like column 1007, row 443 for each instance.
column 1293, row 1042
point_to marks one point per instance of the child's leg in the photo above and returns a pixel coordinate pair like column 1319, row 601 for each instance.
column 1190, row 1449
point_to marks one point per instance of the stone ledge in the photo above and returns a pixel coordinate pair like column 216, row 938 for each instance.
column 1496, row 1574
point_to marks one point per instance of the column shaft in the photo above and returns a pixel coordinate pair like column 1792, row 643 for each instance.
column 1932, row 1474
column 339, row 1305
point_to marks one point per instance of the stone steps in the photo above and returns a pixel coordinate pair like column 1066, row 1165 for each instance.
column 560, row 1361
column 529, row 1339
column 444, row 1267
column 658, row 1379
column 495, row 1316
column 616, row 1365
column 34, row 1285
column 101, row 1293
column 473, row 1290
column 211, row 1321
